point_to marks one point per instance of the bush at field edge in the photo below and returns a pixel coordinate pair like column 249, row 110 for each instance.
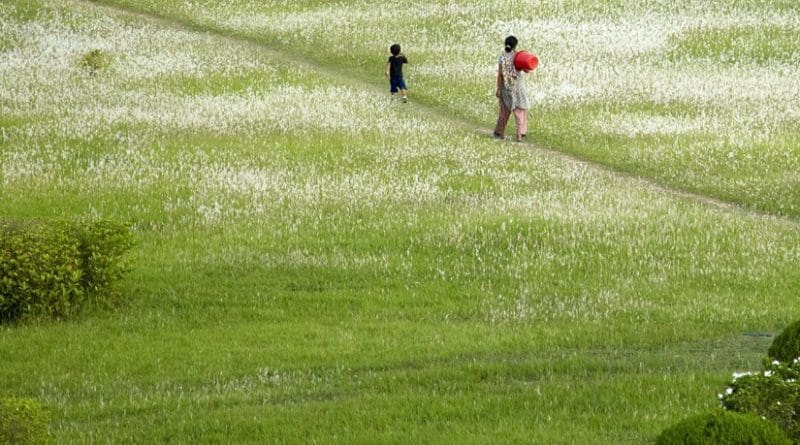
column 55, row 268
column 786, row 346
column 721, row 427
column 22, row 421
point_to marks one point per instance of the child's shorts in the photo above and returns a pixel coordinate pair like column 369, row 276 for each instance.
column 396, row 84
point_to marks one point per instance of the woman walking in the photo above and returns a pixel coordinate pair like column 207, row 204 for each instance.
column 511, row 92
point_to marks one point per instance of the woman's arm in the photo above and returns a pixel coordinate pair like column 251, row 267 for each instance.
column 499, row 80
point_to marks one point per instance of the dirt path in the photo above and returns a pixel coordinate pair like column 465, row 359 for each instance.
column 432, row 113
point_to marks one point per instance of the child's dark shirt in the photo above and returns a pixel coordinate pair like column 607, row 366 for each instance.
column 396, row 65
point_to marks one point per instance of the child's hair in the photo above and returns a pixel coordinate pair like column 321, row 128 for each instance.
column 395, row 49
column 511, row 43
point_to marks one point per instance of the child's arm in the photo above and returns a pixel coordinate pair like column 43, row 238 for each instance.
column 386, row 71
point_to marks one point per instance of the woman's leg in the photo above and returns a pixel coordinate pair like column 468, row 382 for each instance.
column 502, row 119
column 521, row 122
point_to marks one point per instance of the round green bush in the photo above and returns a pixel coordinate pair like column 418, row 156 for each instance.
column 22, row 421
column 786, row 346
column 723, row 428
column 773, row 394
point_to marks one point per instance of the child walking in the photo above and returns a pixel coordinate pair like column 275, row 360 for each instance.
column 394, row 71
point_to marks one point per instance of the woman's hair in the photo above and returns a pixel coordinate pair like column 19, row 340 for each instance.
column 395, row 49
column 511, row 43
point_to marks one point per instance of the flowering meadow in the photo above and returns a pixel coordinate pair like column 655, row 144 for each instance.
column 317, row 263
column 699, row 95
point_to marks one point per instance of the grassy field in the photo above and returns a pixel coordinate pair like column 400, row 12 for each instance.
column 315, row 264
column 701, row 96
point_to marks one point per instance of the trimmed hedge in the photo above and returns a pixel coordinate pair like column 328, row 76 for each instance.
column 55, row 268
column 786, row 346
column 723, row 428
column 22, row 421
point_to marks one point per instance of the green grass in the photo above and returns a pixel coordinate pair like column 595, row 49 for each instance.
column 744, row 44
column 21, row 10
column 701, row 162
column 376, row 273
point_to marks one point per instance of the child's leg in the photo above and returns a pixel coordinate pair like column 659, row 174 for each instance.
column 401, row 85
column 521, row 122
column 502, row 119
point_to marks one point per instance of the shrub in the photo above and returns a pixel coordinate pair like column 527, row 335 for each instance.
column 786, row 346
column 103, row 245
column 53, row 269
column 95, row 60
column 723, row 428
column 773, row 394
column 22, row 421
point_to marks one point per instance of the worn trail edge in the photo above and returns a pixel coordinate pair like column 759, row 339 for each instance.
column 345, row 79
